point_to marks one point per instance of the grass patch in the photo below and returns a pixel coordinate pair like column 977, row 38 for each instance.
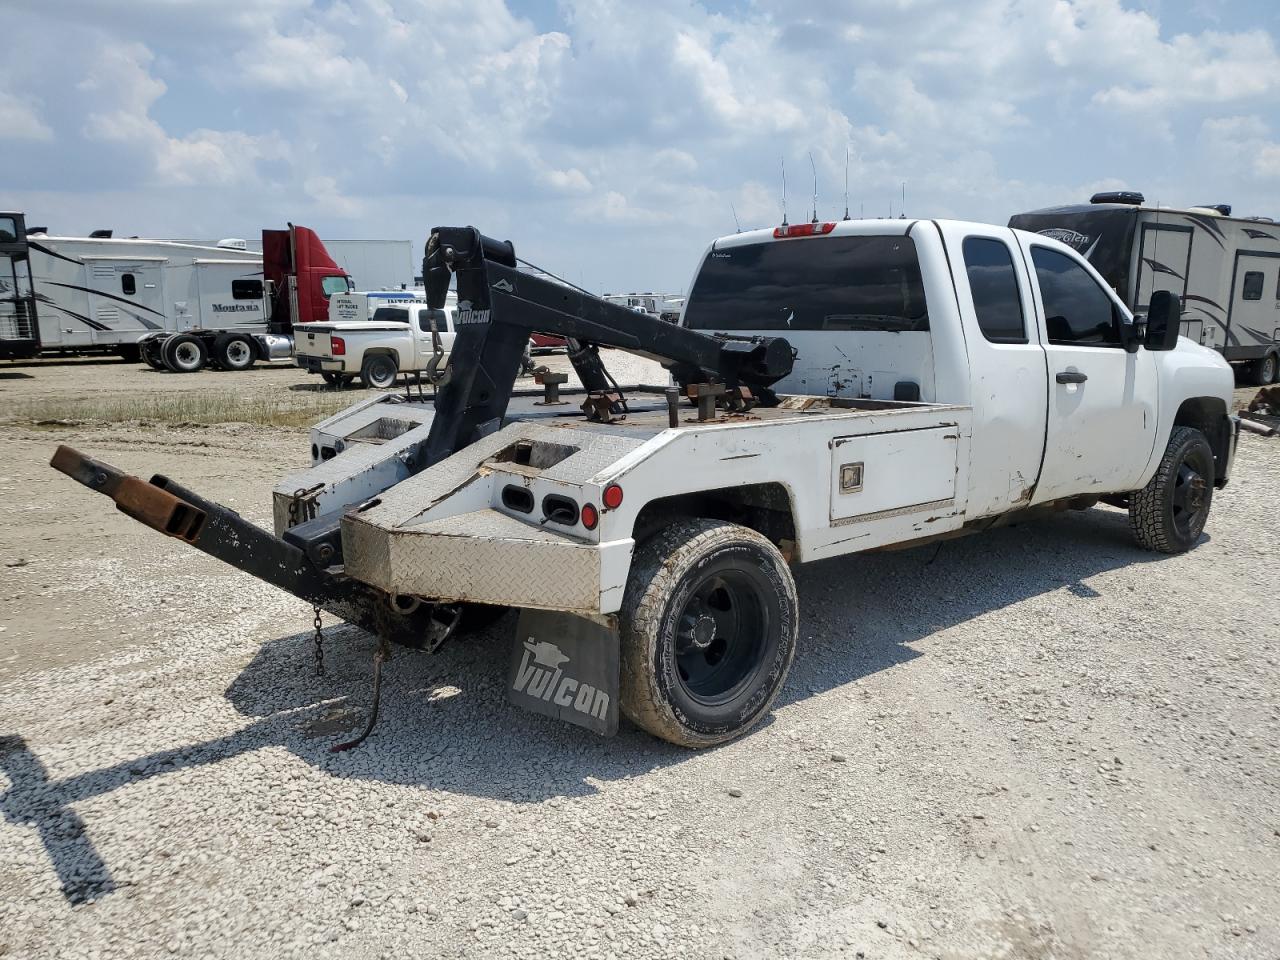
column 274, row 409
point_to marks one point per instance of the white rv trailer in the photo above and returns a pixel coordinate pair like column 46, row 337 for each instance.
column 96, row 293
column 1225, row 269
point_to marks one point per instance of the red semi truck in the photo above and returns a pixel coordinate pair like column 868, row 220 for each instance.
column 296, row 280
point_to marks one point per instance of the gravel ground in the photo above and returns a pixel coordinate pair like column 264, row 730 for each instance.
column 1040, row 742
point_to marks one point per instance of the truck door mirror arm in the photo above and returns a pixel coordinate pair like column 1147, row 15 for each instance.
column 1128, row 332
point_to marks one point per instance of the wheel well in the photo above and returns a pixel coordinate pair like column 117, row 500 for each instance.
column 1209, row 416
column 764, row 507
column 380, row 352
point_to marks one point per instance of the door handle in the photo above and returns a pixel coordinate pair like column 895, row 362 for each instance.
column 1071, row 376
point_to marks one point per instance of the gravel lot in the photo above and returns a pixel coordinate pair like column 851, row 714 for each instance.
column 1040, row 742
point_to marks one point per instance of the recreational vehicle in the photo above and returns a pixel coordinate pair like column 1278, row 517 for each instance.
column 19, row 328
column 180, row 305
column 1225, row 269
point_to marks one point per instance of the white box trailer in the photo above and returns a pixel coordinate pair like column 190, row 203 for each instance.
column 1225, row 269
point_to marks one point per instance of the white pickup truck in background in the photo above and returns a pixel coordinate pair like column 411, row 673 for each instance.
column 374, row 340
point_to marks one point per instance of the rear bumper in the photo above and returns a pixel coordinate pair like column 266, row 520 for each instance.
column 485, row 556
column 318, row 365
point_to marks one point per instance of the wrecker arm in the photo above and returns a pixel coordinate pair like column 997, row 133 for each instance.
column 499, row 306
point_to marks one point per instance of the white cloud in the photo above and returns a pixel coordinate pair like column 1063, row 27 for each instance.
column 20, row 120
column 384, row 117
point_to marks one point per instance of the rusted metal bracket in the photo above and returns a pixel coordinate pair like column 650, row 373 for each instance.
column 603, row 407
column 551, row 384
column 706, row 395
column 150, row 505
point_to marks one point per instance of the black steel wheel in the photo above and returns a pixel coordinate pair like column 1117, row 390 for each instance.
column 708, row 630
column 720, row 635
column 1170, row 512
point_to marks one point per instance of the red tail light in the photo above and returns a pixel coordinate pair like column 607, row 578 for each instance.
column 338, row 346
column 590, row 517
column 802, row 230
column 612, row 496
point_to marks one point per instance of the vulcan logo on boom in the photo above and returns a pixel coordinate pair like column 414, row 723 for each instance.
column 541, row 675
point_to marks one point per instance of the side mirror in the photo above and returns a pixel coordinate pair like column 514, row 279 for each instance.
column 1164, row 320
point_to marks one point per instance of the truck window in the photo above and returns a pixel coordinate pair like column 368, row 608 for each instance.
column 391, row 315
column 1076, row 309
column 8, row 229
column 424, row 321
column 831, row 283
column 128, row 284
column 332, row 285
column 994, row 286
column 246, row 289
column 1253, row 285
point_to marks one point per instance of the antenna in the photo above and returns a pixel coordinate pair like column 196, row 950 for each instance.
column 846, row 182
column 862, row 213
column 903, row 212
column 814, row 168
column 736, row 225
column 784, row 191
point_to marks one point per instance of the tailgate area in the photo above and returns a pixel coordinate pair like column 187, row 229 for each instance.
column 482, row 556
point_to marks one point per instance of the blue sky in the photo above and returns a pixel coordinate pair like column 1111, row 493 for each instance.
column 610, row 140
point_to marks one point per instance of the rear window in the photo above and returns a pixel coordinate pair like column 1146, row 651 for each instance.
column 391, row 315
column 829, row 283
column 425, row 317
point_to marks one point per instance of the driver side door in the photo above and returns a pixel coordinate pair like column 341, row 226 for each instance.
column 1102, row 418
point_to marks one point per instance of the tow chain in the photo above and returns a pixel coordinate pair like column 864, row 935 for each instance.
column 319, row 645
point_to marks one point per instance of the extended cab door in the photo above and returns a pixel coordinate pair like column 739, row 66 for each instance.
column 1102, row 400
column 1007, row 369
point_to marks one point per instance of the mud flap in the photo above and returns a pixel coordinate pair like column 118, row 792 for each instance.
column 566, row 666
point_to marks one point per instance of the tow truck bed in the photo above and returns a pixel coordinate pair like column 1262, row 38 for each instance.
column 481, row 526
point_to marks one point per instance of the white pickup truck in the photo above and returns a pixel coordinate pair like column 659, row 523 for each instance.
column 949, row 378
column 375, row 345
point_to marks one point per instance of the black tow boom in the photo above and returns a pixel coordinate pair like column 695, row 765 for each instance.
column 499, row 306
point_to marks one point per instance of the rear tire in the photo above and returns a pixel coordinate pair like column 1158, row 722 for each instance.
column 378, row 372
column 1169, row 513
column 708, row 631
column 235, row 351
column 1263, row 372
column 151, row 354
column 183, row 353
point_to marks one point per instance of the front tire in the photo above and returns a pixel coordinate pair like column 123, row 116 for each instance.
column 1169, row 513
column 708, row 631
column 378, row 372
column 183, row 353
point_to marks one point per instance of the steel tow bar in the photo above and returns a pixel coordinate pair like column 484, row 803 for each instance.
column 211, row 528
